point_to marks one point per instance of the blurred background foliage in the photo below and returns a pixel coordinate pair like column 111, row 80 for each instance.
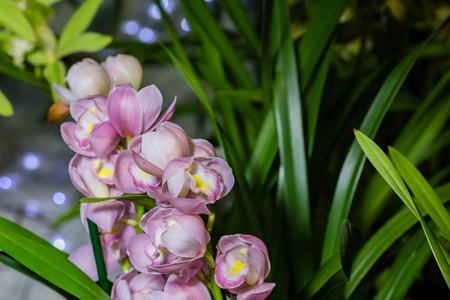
column 279, row 86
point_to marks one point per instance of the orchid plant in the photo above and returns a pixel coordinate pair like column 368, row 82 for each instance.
column 125, row 146
column 280, row 171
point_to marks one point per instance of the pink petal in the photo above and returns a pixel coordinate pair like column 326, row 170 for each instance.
column 177, row 288
column 203, row 148
column 124, row 111
column 104, row 139
column 258, row 292
column 166, row 116
column 64, row 94
column 181, row 243
column 134, row 146
column 190, row 206
column 139, row 249
column 223, row 276
column 122, row 179
column 151, row 100
column 69, row 137
column 124, row 69
column 105, row 214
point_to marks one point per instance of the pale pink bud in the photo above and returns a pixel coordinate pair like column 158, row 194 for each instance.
column 86, row 78
column 124, row 69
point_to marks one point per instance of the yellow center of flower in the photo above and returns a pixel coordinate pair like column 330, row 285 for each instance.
column 171, row 222
column 145, row 174
column 243, row 251
column 92, row 109
column 238, row 265
column 200, row 184
column 89, row 128
column 105, row 173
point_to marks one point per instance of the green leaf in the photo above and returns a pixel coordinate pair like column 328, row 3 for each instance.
column 23, row 75
column 46, row 261
column 321, row 277
column 315, row 98
column 322, row 24
column 392, row 230
column 79, row 22
column 351, row 241
column 239, row 94
column 98, row 256
column 11, row 262
column 293, row 179
column 12, row 18
column 424, row 193
column 6, row 108
column 205, row 20
column 354, row 161
column 86, row 42
column 407, row 265
column 143, row 200
column 386, row 169
column 241, row 19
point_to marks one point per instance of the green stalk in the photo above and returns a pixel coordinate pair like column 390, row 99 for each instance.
column 211, row 219
column 98, row 254
column 215, row 289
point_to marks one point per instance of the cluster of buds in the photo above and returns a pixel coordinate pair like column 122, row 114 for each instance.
column 125, row 145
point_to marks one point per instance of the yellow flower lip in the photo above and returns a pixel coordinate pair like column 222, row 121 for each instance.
column 238, row 265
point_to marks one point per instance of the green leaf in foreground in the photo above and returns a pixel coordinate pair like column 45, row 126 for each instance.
column 351, row 242
column 6, row 108
column 425, row 195
column 11, row 262
column 46, row 261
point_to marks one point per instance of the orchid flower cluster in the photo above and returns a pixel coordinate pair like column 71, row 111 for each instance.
column 124, row 145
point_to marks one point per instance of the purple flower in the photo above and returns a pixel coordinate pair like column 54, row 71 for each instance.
column 86, row 78
column 124, row 69
column 93, row 178
column 172, row 241
column 257, row 292
column 190, row 183
column 88, row 114
column 177, row 288
column 135, row 286
column 153, row 150
column 242, row 263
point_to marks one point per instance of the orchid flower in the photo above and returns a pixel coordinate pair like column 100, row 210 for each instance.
column 123, row 69
column 135, row 286
column 177, row 288
column 86, row 78
column 93, row 178
column 190, row 183
column 242, row 263
column 172, row 241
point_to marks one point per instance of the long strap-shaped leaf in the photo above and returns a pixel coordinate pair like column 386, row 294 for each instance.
column 387, row 170
column 391, row 231
column 351, row 170
column 45, row 260
column 293, row 179
column 424, row 193
column 206, row 20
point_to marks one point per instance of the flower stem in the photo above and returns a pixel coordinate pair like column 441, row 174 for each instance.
column 210, row 260
column 140, row 213
column 125, row 264
column 211, row 219
column 215, row 290
column 202, row 277
column 98, row 254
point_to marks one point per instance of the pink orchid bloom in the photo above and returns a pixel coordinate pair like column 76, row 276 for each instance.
column 93, row 177
column 177, row 288
column 86, row 78
column 242, row 263
column 135, row 286
column 123, row 69
column 88, row 114
column 153, row 150
column 190, row 183
column 172, row 241
column 257, row 292
column 129, row 178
